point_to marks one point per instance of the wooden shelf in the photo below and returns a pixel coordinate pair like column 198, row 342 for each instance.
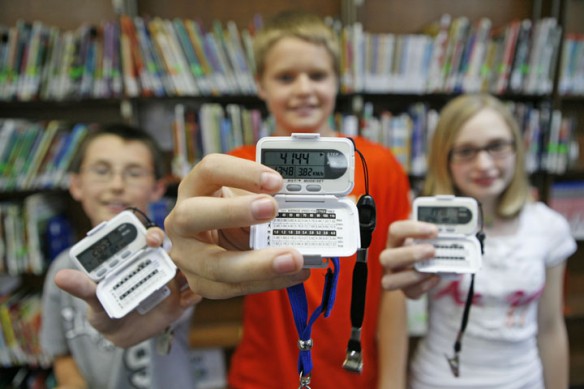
column 217, row 323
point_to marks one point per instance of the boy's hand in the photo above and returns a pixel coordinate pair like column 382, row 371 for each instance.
column 400, row 255
column 209, row 230
column 134, row 327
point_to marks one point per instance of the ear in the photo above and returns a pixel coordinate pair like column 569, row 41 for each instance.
column 76, row 187
column 260, row 89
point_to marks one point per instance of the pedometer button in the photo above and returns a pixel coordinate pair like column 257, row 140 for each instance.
column 313, row 188
column 293, row 187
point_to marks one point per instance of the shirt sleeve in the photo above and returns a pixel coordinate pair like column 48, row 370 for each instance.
column 562, row 244
column 52, row 334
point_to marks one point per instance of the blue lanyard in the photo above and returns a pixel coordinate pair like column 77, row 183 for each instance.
column 299, row 305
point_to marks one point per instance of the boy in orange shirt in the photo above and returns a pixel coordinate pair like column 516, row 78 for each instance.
column 297, row 59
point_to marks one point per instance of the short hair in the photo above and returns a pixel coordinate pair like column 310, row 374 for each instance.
column 127, row 133
column 452, row 118
column 297, row 24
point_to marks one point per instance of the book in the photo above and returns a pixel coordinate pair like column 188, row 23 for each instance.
column 511, row 35
column 194, row 65
column 241, row 68
column 152, row 63
column 519, row 68
column 41, row 179
column 180, row 163
column 35, row 148
column 187, row 79
column 439, row 32
column 61, row 173
column 475, row 56
column 195, row 33
column 29, row 80
column 457, row 39
column 39, row 208
column 130, row 67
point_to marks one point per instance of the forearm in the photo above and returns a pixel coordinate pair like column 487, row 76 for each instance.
column 393, row 341
column 67, row 373
column 553, row 349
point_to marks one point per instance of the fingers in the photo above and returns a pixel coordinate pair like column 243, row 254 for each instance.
column 398, row 259
column 219, row 170
column 79, row 285
column 154, row 237
column 197, row 214
column 403, row 229
column 206, row 265
column 221, row 290
column 412, row 282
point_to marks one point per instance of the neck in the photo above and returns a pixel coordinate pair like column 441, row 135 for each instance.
column 325, row 131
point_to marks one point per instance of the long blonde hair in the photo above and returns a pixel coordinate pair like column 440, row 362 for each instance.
column 452, row 117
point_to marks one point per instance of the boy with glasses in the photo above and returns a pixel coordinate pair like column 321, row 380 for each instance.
column 116, row 167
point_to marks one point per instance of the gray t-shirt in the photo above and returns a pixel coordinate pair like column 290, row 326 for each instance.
column 66, row 331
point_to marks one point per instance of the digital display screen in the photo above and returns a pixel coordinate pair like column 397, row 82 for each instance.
column 444, row 215
column 108, row 246
column 308, row 163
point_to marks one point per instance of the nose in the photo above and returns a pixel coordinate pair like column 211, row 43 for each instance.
column 483, row 159
column 302, row 84
column 117, row 180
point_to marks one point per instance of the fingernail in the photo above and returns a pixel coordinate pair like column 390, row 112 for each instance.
column 262, row 209
column 270, row 181
column 156, row 240
column 285, row 263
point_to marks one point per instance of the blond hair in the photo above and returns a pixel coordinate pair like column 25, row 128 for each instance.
column 295, row 24
column 452, row 118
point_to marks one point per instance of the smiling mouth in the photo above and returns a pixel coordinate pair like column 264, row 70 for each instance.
column 485, row 181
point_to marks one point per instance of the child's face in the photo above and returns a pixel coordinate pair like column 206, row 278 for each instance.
column 487, row 174
column 115, row 174
column 299, row 86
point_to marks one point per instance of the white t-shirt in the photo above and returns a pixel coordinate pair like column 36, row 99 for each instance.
column 499, row 348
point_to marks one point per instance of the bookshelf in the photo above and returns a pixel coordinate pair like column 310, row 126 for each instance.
column 376, row 17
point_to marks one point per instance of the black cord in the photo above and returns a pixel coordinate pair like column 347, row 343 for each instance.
column 367, row 220
column 454, row 361
column 148, row 222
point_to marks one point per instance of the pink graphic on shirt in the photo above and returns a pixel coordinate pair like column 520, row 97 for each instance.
column 518, row 304
column 458, row 295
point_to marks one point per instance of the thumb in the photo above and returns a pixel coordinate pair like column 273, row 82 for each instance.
column 79, row 285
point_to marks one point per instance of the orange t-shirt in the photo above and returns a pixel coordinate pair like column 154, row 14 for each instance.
column 267, row 356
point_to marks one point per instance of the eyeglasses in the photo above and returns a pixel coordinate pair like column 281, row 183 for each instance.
column 132, row 176
column 497, row 150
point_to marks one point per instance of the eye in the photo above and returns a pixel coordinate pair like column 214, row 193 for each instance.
column 136, row 172
column 285, row 77
column 465, row 152
column 498, row 147
column 102, row 170
column 318, row 76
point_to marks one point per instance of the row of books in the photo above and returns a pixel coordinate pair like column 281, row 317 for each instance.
column 179, row 57
column 454, row 55
column 212, row 128
column 548, row 136
column 572, row 65
column 126, row 57
column 20, row 320
column 37, row 155
column 32, row 232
